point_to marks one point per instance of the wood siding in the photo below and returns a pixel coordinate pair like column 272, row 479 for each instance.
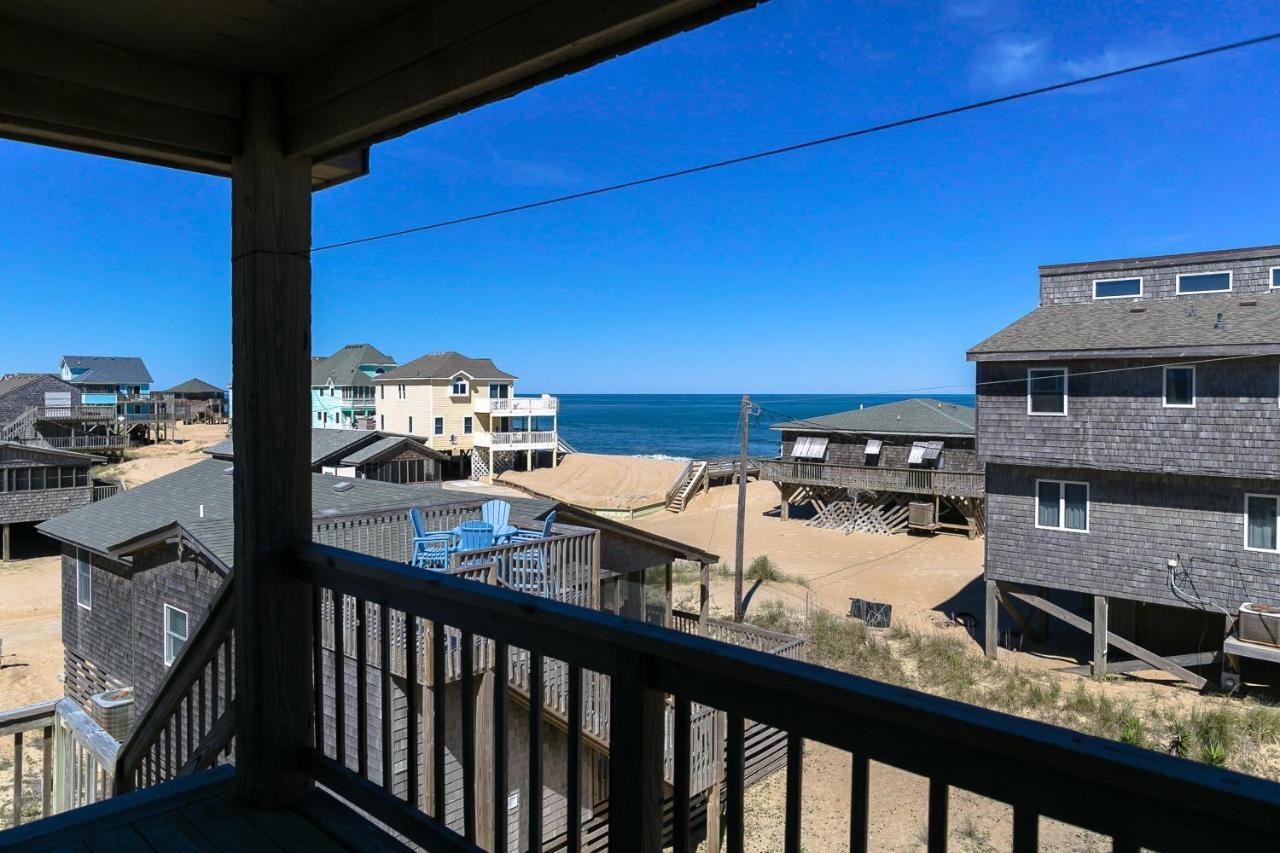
column 17, row 401
column 1251, row 274
column 1117, row 420
column 845, row 449
column 1137, row 523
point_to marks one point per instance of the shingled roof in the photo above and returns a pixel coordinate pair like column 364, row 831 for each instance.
column 343, row 367
column 194, row 386
column 1221, row 324
column 14, row 381
column 108, row 370
column 445, row 365
column 918, row 416
column 328, row 446
column 178, row 497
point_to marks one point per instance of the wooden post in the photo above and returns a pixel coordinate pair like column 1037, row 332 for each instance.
column 667, row 599
column 1099, row 636
column 786, row 502
column 484, row 740
column 991, row 622
column 740, row 539
column 704, row 597
column 636, row 757
column 271, row 358
column 595, row 570
column 4, row 543
column 46, row 772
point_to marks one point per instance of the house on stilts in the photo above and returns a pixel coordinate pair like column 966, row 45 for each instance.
column 1128, row 428
column 907, row 465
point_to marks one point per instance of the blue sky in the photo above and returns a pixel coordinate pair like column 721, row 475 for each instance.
column 863, row 266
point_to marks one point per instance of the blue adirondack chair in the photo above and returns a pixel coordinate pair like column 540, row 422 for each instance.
column 430, row 550
column 525, row 534
column 475, row 535
column 498, row 514
column 528, row 571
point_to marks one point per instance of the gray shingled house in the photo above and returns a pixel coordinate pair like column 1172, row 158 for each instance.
column 1129, row 429
column 37, row 483
column 908, row 464
column 362, row 453
column 196, row 401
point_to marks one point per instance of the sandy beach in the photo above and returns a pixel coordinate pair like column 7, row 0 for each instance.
column 597, row 481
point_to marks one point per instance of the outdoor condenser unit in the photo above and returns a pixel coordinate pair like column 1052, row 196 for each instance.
column 113, row 709
column 921, row 516
column 1259, row 623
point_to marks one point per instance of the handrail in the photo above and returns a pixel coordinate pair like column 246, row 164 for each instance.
column 924, row 480
column 162, row 743
column 1140, row 797
column 679, row 481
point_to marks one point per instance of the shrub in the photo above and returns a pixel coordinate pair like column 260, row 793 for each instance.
column 764, row 569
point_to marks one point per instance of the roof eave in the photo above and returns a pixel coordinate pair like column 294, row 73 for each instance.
column 1210, row 350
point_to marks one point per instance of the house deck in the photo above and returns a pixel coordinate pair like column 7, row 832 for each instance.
column 200, row 812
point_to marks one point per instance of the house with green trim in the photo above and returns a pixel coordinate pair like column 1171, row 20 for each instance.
column 342, row 387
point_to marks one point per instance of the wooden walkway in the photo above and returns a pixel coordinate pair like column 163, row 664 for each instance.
column 199, row 813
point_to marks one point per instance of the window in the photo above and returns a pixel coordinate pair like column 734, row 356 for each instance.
column 1204, row 282
column 1114, row 288
column 809, row 447
column 175, row 632
column 68, row 478
column 82, row 476
column 382, row 421
column 1047, row 391
column 466, row 425
column 410, row 423
column 37, row 479
column 1260, row 512
column 1179, row 387
column 317, row 416
column 1062, row 505
column 84, row 581
column 459, row 387
column 439, row 426
column 400, row 391
column 1275, row 276
column 382, row 392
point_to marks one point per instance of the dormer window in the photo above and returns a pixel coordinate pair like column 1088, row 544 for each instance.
column 460, row 387
column 1116, row 288
column 1204, row 282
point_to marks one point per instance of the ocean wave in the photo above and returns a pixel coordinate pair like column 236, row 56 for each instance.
column 663, row 457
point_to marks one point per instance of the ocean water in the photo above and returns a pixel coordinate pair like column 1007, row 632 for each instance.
column 695, row 426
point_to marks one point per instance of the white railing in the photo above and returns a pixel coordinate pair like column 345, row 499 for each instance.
column 518, row 406
column 542, row 440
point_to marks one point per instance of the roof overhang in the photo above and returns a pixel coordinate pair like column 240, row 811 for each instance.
column 833, row 431
column 168, row 534
column 586, row 518
column 53, row 451
column 1231, row 350
column 162, row 86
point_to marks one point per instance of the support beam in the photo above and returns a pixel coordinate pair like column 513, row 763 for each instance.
column 4, row 543
column 1154, row 660
column 1024, row 623
column 271, row 357
column 1099, row 636
column 991, row 620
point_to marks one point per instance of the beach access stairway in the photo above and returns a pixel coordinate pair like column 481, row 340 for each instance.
column 693, row 477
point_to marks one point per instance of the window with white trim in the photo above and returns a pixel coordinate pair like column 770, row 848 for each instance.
column 1180, row 387
column 176, row 626
column 1261, row 520
column 1275, row 276
column 1204, row 282
column 439, row 425
column 1047, row 391
column 84, row 580
column 1062, row 505
column 466, row 425
column 460, row 388
column 1116, row 288
column 400, row 391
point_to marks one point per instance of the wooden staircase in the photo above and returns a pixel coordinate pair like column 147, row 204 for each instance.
column 686, row 485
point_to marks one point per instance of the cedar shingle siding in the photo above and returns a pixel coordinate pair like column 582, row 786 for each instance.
column 30, row 394
column 36, row 506
column 957, row 453
column 1251, row 270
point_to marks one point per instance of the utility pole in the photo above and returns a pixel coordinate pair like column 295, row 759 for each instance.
column 742, row 512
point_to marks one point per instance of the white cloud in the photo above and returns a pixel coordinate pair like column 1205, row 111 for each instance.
column 1010, row 60
column 1114, row 58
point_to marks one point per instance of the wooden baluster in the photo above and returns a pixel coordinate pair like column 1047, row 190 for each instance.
column 574, row 814
column 317, row 665
column 858, row 804
column 384, row 669
column 466, row 665
column 938, row 791
column 412, row 695
column 735, row 769
column 46, row 772
column 500, row 746
column 535, row 750
column 795, row 796
column 681, row 749
column 1026, row 829
column 339, row 678
column 17, row 778
column 204, row 699
column 362, row 689
column 192, row 740
column 438, row 639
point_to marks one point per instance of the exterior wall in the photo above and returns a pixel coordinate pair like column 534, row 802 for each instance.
column 1137, row 523
column 1117, row 420
column 341, row 408
column 393, row 413
column 17, row 401
column 426, row 400
column 1074, row 282
column 844, row 449
column 17, row 507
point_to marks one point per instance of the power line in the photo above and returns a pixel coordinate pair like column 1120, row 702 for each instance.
column 799, row 146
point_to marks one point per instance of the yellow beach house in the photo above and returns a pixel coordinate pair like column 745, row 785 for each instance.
column 467, row 409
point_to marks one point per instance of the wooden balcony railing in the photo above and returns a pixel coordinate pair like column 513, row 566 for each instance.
column 83, row 442
column 191, row 722
column 923, row 481
column 538, row 439
column 1137, row 797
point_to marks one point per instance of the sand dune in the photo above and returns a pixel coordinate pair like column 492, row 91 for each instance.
column 598, row 481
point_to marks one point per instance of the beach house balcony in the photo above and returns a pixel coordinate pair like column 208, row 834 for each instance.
column 535, row 440
column 923, row 481
column 542, row 406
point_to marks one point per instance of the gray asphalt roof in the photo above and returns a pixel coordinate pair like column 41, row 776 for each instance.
column 177, row 498
column 108, row 369
column 446, row 365
column 193, row 386
column 343, row 367
column 14, row 381
column 919, row 416
column 326, row 444
column 1187, row 323
column 52, row 453
column 383, row 445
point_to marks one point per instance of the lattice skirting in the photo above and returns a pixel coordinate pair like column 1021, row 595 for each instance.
column 503, row 460
column 84, row 678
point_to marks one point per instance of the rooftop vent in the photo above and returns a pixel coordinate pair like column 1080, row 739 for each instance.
column 344, row 487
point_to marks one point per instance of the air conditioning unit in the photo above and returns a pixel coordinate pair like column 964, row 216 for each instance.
column 113, row 710
column 1259, row 623
column 921, row 516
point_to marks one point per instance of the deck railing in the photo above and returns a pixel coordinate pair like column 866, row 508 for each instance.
column 1139, row 798
column 913, row 480
column 536, row 439
column 518, row 406
column 191, row 721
